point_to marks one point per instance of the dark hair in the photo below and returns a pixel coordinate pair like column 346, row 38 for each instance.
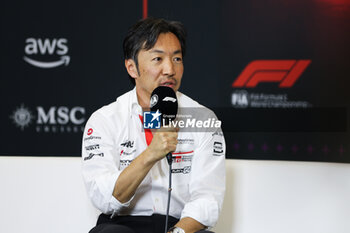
column 144, row 34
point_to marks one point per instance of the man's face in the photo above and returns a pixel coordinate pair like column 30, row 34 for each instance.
column 160, row 66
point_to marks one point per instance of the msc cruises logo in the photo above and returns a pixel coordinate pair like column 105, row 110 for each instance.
column 55, row 119
column 22, row 117
column 38, row 50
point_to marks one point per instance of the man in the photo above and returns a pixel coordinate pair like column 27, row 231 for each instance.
column 124, row 167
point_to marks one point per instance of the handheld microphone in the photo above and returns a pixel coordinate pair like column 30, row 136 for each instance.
column 164, row 99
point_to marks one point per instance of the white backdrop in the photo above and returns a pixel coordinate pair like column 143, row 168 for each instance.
column 46, row 195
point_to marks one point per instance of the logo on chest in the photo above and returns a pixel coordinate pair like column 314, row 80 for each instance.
column 127, row 148
column 182, row 162
column 128, row 144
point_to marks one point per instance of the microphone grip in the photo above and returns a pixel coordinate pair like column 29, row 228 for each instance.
column 169, row 157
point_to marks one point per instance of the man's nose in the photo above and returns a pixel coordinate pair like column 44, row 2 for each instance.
column 168, row 67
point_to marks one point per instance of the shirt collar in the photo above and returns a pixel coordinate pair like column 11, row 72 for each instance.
column 135, row 108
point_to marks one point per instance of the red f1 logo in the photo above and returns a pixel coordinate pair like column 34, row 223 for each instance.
column 286, row 72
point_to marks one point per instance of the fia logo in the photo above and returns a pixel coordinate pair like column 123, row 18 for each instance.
column 151, row 120
column 239, row 99
column 46, row 46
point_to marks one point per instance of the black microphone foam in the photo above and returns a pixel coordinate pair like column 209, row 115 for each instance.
column 164, row 99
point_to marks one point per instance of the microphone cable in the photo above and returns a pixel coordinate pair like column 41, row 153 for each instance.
column 169, row 192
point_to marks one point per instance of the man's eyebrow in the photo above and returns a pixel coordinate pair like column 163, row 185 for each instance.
column 161, row 51
column 156, row 51
column 177, row 51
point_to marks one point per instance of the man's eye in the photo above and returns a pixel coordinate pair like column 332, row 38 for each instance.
column 157, row 59
column 177, row 59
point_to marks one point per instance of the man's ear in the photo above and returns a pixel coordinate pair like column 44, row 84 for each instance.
column 130, row 66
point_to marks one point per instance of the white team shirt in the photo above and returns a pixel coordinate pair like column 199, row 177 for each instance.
column 114, row 136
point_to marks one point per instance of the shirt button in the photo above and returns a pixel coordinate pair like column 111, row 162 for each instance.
column 156, row 199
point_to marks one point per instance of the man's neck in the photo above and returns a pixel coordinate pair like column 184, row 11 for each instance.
column 143, row 99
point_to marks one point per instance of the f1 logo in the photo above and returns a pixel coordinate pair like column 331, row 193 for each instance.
column 285, row 72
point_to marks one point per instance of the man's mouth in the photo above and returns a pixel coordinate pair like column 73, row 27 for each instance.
column 168, row 84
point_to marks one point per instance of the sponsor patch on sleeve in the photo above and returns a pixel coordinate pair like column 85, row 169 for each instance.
column 218, row 149
column 91, row 155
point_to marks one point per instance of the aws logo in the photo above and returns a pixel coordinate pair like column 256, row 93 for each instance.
column 38, row 50
column 284, row 72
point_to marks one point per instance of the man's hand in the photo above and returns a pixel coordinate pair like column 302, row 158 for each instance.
column 164, row 141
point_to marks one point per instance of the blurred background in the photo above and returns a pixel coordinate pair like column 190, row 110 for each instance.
column 275, row 73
